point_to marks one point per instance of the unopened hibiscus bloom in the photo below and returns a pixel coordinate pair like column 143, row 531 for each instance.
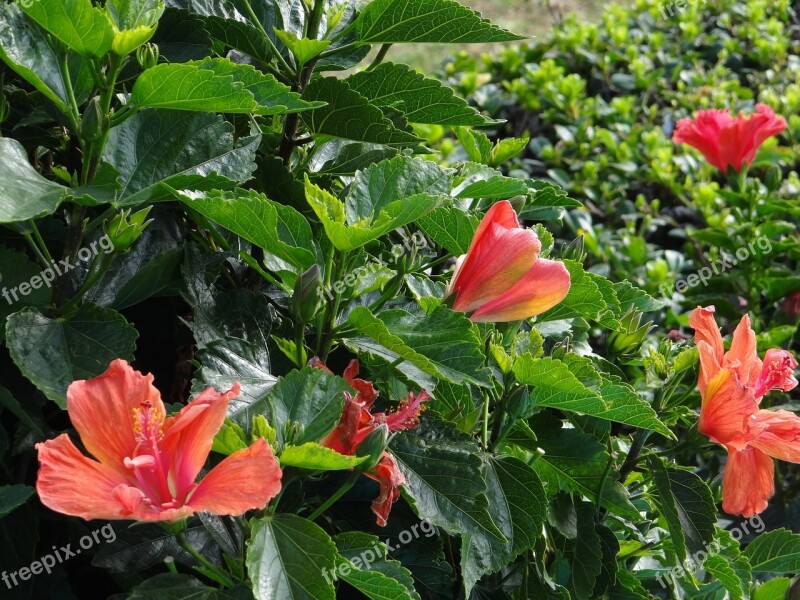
column 732, row 385
column 357, row 422
column 725, row 140
column 146, row 463
column 501, row 277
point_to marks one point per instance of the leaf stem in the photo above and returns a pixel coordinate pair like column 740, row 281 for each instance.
column 224, row 578
column 338, row 494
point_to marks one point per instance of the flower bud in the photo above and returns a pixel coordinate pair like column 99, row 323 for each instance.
column 306, row 294
column 519, row 403
column 574, row 250
column 94, row 122
column 147, row 56
column 774, row 177
column 374, row 445
column 124, row 229
column 630, row 336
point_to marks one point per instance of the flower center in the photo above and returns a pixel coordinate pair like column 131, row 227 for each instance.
column 146, row 463
column 777, row 373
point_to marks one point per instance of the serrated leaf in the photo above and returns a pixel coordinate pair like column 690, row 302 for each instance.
column 587, row 554
column 52, row 353
column 775, row 551
column 303, row 49
column 445, row 483
column 519, row 508
column 318, row 458
column 288, row 557
column 331, row 212
column 584, row 299
column 24, row 194
column 215, row 85
column 421, row 99
column 432, row 21
column 553, row 384
column 349, row 115
column 34, row 56
column 239, row 35
column 719, row 568
column 450, row 227
column 573, row 461
column 157, row 152
column 311, row 397
column 278, row 229
column 444, row 344
column 366, row 554
column 686, row 505
column 172, row 586
column 80, row 25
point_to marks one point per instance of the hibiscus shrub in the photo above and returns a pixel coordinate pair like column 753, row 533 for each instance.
column 273, row 346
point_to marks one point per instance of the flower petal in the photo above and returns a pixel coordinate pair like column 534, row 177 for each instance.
column 101, row 410
column 726, row 408
column 74, row 484
column 777, row 372
column 747, row 483
column 541, row 288
column 247, row 479
column 188, row 436
column 777, row 434
column 500, row 254
column 743, row 355
column 703, row 133
column 706, row 330
column 389, row 478
column 353, row 426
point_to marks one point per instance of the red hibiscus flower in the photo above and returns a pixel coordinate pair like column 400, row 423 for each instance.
column 725, row 140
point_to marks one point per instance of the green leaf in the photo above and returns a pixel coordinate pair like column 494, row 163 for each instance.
column 686, row 505
column 81, row 26
column 241, row 36
column 172, row 586
column 476, row 144
column 554, row 385
column 231, row 360
column 445, row 482
column 506, row 149
column 229, row 438
column 519, row 508
column 370, row 571
column 421, row 99
column 494, row 188
column 375, row 188
column 24, row 194
column 719, row 568
column 432, row 21
column 34, row 56
column 318, row 458
column 159, row 152
column 774, row 589
column 288, row 558
column 775, row 551
column 135, row 22
column 52, row 353
column 278, row 229
column 331, row 212
column 215, row 85
column 311, row 397
column 444, row 343
column 450, row 227
column 15, row 269
column 303, row 49
column 349, row 115
column 573, row 461
column 13, row 496
column 584, row 299
column 587, row 554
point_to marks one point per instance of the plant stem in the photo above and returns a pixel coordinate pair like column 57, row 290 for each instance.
column 633, row 455
column 96, row 270
column 338, row 494
column 223, row 576
column 379, row 57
